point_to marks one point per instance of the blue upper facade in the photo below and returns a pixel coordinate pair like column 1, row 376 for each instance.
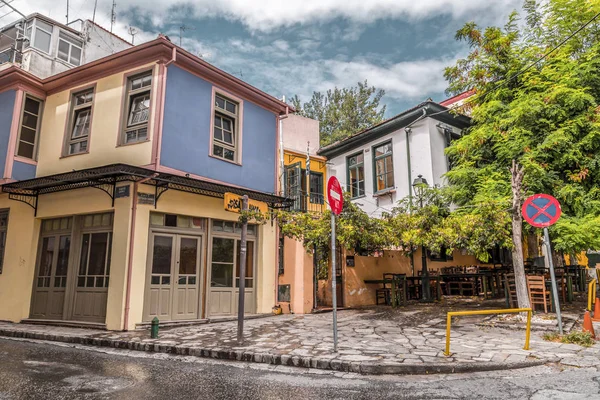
column 7, row 103
column 187, row 134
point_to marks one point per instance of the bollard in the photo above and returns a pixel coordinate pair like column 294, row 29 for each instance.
column 154, row 328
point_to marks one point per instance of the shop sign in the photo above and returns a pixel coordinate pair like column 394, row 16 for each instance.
column 233, row 203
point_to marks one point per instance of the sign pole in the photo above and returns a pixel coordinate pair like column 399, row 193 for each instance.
column 333, row 283
column 242, row 264
column 553, row 277
column 336, row 203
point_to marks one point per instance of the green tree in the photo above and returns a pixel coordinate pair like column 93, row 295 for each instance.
column 343, row 112
column 535, row 126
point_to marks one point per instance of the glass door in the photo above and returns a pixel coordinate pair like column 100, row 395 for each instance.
column 185, row 279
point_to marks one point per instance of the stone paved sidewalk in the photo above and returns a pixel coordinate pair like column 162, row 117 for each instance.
column 369, row 342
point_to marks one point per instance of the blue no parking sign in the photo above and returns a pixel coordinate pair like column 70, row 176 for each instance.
column 541, row 210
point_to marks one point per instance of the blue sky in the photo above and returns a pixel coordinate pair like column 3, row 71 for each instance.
column 300, row 46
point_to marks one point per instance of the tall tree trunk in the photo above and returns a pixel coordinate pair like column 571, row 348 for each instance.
column 516, row 181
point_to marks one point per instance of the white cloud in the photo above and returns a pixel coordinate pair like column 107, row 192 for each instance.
column 266, row 15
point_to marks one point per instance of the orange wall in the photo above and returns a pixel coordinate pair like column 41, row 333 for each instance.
column 298, row 273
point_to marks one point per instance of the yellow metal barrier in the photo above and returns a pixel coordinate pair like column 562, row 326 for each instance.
column 488, row 312
column 591, row 293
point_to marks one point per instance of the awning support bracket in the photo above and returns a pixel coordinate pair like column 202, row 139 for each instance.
column 109, row 189
column 159, row 189
column 30, row 199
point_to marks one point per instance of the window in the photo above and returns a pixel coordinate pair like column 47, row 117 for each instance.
column 441, row 256
column 384, row 167
column 281, row 254
column 69, row 49
column 316, row 188
column 222, row 263
column 225, row 129
column 249, row 264
column 39, row 34
column 30, row 124
column 356, row 175
column 3, row 229
column 138, row 108
column 94, row 265
column 81, row 116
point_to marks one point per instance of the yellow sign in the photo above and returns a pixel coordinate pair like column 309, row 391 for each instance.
column 233, row 203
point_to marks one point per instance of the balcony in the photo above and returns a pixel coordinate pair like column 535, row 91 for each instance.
column 307, row 202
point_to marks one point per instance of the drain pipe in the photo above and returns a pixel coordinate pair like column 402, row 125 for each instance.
column 131, row 238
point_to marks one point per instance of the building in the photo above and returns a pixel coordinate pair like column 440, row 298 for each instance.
column 300, row 138
column 377, row 167
column 115, row 174
column 45, row 47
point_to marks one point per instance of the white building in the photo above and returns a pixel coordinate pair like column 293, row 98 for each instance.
column 45, row 47
column 378, row 165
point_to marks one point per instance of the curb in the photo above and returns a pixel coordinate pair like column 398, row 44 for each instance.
column 325, row 363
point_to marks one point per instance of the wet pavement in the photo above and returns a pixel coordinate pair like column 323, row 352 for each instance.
column 42, row 370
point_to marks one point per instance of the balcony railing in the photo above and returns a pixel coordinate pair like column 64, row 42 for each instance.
column 307, row 202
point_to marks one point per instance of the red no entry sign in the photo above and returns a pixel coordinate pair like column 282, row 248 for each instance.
column 334, row 195
column 541, row 210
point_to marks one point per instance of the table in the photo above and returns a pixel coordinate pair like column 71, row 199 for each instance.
column 395, row 287
column 484, row 276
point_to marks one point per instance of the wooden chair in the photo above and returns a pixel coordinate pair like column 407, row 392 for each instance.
column 510, row 291
column 538, row 294
column 385, row 291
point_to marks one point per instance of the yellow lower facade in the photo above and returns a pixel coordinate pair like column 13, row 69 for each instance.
column 174, row 272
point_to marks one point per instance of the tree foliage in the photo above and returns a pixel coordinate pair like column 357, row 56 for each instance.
column 343, row 112
column 542, row 114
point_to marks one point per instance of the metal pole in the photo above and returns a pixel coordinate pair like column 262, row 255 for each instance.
column 242, row 264
column 333, row 283
column 315, row 278
column 553, row 277
column 426, row 292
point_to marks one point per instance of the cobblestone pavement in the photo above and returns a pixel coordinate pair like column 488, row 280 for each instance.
column 369, row 342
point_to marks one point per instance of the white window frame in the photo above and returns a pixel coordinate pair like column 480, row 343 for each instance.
column 128, row 124
column 74, row 110
column 236, row 119
column 65, row 37
column 34, row 27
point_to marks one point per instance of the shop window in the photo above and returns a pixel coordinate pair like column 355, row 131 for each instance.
column 232, row 227
column 222, row 262
column 179, row 221
column 249, row 264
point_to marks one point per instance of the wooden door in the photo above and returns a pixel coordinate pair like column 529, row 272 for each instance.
column 51, row 277
column 185, row 278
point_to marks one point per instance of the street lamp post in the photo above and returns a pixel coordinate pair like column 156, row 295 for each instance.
column 419, row 186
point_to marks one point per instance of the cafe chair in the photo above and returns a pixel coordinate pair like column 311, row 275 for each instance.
column 538, row 294
column 385, row 291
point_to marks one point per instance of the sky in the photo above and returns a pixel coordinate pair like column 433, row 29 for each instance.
column 296, row 47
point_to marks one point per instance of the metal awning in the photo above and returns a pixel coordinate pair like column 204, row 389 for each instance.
column 106, row 178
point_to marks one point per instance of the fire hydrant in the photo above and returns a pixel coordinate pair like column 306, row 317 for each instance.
column 154, row 328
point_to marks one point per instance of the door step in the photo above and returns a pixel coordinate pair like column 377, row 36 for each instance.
column 70, row 324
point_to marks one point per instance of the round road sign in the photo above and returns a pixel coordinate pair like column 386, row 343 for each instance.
column 335, row 195
column 541, row 210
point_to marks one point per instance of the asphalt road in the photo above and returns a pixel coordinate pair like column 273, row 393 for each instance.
column 38, row 370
